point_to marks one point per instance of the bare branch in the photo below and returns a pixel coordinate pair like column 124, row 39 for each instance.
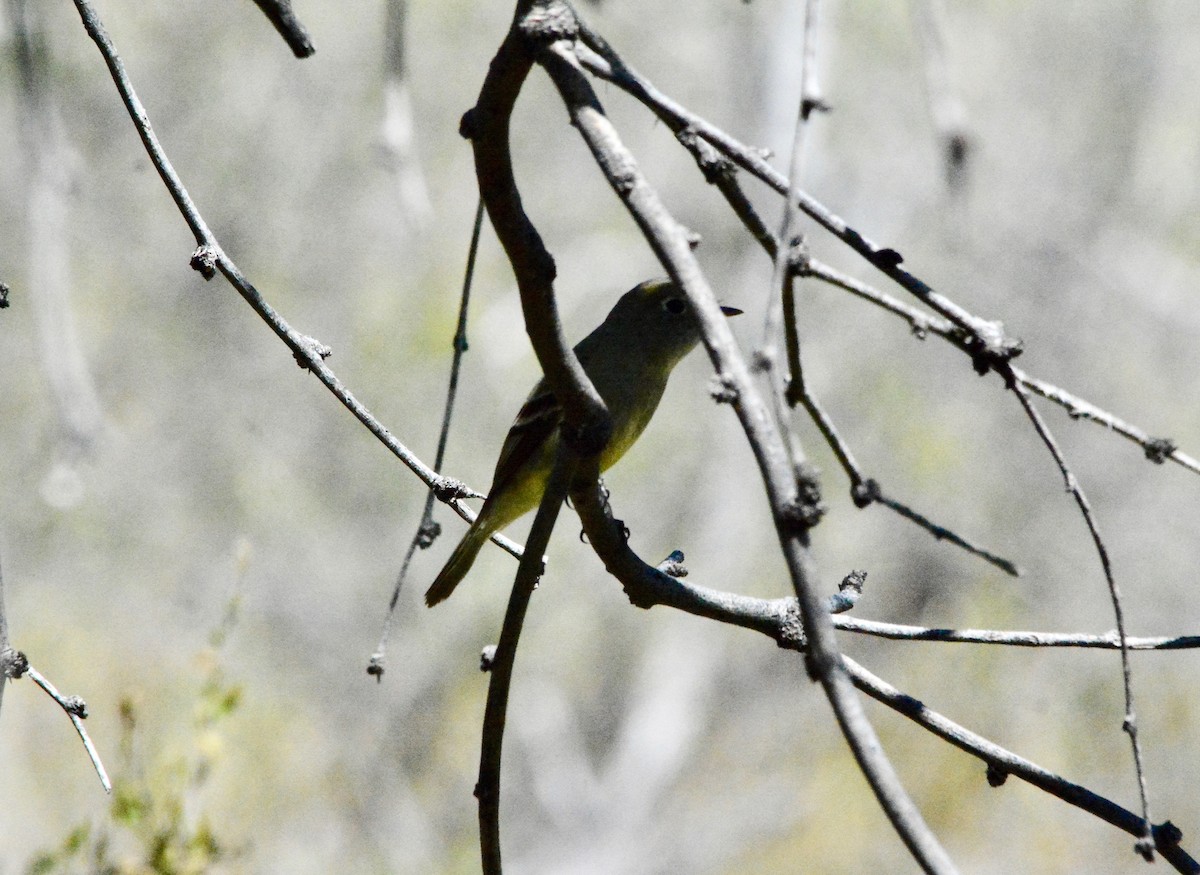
column 988, row 335
column 670, row 243
column 1165, row 837
column 586, row 424
column 501, row 662
column 1145, row 847
column 1157, row 450
column 210, row 257
column 76, row 710
column 428, row 529
column 1107, row 641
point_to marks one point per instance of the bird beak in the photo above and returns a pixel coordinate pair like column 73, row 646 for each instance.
column 731, row 311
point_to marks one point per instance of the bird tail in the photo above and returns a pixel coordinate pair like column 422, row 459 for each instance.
column 458, row 565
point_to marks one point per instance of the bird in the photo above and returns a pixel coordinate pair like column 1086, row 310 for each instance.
column 628, row 358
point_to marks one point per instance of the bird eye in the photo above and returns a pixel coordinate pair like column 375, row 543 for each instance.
column 674, row 305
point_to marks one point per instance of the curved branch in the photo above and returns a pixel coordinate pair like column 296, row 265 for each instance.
column 586, row 424
column 1129, row 724
column 210, row 257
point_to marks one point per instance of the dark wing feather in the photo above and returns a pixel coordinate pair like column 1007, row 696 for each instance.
column 536, row 422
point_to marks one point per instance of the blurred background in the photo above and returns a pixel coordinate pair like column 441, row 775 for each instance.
column 198, row 539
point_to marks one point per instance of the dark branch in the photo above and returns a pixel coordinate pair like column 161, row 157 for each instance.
column 293, row 32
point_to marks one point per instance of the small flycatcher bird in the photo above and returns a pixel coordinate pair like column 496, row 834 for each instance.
column 628, row 358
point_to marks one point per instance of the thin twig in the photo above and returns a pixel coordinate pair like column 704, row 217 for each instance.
column 1007, row 638
column 988, row 335
column 1164, row 838
column 1156, row 449
column 670, row 242
column 14, row 664
column 863, row 489
column 780, row 294
column 605, row 63
column 76, row 709
column 429, row 529
column 487, row 790
column 1130, row 722
column 209, row 257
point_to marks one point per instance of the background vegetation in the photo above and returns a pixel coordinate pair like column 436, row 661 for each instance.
column 639, row 741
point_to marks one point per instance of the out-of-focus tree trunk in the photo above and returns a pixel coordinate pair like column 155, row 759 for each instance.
column 50, row 167
column 399, row 128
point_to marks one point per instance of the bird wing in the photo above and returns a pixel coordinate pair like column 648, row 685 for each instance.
column 535, row 424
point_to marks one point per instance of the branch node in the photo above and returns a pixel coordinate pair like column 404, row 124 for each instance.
column 887, row 258
column 723, row 389
column 996, row 776
column 3, row 296
column 428, row 533
column 790, row 634
column 315, row 350
column 204, row 261
column 1158, row 450
column 487, row 657
column 447, row 489
column 805, row 510
column 468, row 125
column 75, row 705
column 865, row 493
column 799, row 263
column 849, row 592
column 550, row 23
column 1144, row 848
column 1167, row 835
column 809, row 105
column 14, row 663
column 715, row 166
column 988, row 354
column 673, row 565
column 375, row 667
